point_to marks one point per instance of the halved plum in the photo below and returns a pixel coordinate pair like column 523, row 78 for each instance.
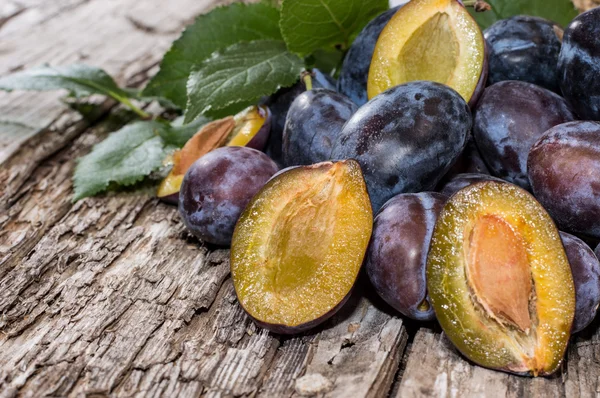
column 298, row 247
column 434, row 40
column 499, row 279
column 249, row 127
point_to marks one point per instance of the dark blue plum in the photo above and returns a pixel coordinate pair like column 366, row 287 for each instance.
column 460, row 181
column 406, row 138
column 597, row 251
column 279, row 104
column 509, row 118
column 355, row 69
column 524, row 48
column 218, row 186
column 397, row 254
column 585, row 268
column 313, row 123
column 579, row 65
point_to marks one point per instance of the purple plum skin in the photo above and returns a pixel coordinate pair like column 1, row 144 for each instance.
column 461, row 181
column 524, row 48
column 279, row 104
column 313, row 123
column 509, row 118
column 579, row 65
column 217, row 187
column 585, row 268
column 397, row 254
column 406, row 138
column 564, row 170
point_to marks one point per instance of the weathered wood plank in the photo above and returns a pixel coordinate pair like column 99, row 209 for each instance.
column 355, row 354
column 45, row 198
column 112, row 275
column 436, row 369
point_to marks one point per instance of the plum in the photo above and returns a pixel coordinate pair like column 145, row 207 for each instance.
column 524, row 48
column 579, row 65
column 564, row 170
column 435, row 40
column 397, row 253
column 597, row 251
column 298, row 247
column 585, row 268
column 313, row 123
column 218, row 186
column 460, row 181
column 406, row 138
column 509, row 118
column 355, row 68
column 499, row 279
column 279, row 104
column 250, row 128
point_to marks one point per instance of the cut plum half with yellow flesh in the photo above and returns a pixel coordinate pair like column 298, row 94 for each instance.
column 434, row 40
column 499, row 279
column 298, row 247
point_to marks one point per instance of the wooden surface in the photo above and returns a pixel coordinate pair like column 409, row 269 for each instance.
column 110, row 296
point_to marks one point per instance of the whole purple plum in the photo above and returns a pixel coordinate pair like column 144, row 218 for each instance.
column 279, row 104
column 397, row 253
column 509, row 118
column 313, row 123
column 564, row 170
column 585, row 268
column 218, row 186
column 406, row 138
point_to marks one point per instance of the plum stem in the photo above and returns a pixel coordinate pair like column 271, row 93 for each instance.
column 478, row 5
column 307, row 79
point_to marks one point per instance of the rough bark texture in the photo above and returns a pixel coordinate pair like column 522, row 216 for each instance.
column 110, row 296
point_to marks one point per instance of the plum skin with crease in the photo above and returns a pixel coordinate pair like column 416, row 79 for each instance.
column 397, row 254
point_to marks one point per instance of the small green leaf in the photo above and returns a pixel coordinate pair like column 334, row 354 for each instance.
column 177, row 134
column 80, row 80
column 241, row 73
column 307, row 25
column 125, row 157
column 214, row 31
column 560, row 11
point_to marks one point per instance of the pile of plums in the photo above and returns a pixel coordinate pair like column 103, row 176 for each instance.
column 444, row 159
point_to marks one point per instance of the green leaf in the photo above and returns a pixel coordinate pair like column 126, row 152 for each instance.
column 560, row 11
column 177, row 134
column 214, row 31
column 307, row 25
column 125, row 157
column 241, row 73
column 80, row 80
